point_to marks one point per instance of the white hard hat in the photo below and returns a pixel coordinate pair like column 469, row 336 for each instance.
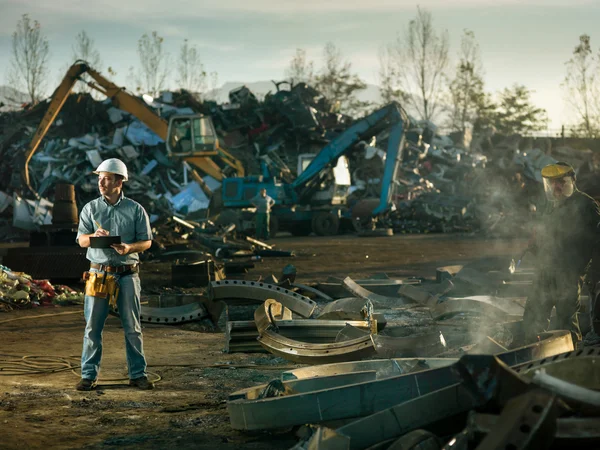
column 113, row 165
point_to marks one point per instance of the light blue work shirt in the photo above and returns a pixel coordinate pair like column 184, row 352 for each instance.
column 126, row 218
column 263, row 204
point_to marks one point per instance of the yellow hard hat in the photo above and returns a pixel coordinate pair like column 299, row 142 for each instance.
column 558, row 170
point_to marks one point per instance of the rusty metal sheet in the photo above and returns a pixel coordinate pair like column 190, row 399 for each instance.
column 256, row 291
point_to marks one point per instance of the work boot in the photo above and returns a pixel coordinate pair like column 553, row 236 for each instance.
column 86, row 384
column 142, row 383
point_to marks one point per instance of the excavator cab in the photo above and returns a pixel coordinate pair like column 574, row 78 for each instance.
column 188, row 135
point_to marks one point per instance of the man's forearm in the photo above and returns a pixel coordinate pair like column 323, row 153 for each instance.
column 84, row 240
column 140, row 246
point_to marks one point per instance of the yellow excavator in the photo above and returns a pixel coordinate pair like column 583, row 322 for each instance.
column 191, row 138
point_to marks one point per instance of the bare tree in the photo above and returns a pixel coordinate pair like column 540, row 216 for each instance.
column 388, row 76
column 154, row 64
column 338, row 84
column 581, row 87
column 213, row 90
column 467, row 86
column 421, row 58
column 300, row 69
column 84, row 49
column 190, row 71
column 29, row 58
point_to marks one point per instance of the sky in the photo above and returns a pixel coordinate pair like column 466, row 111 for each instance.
column 521, row 41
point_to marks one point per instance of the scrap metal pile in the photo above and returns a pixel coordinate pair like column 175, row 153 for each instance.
column 442, row 187
column 455, row 372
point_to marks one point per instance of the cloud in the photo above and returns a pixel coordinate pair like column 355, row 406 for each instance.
column 157, row 11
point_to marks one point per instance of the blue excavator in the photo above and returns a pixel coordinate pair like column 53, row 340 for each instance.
column 316, row 200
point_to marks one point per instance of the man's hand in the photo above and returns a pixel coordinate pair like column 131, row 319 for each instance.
column 100, row 232
column 122, row 249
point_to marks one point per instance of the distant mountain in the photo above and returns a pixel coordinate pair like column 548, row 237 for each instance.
column 261, row 88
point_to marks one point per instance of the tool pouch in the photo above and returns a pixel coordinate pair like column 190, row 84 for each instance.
column 102, row 285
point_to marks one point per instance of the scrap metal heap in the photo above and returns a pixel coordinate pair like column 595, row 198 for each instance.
column 441, row 186
column 456, row 373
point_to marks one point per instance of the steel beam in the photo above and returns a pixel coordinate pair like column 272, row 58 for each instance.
column 365, row 398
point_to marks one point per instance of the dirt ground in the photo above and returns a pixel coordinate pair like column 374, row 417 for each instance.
column 188, row 407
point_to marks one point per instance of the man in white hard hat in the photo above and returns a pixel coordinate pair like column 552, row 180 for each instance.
column 563, row 247
column 113, row 214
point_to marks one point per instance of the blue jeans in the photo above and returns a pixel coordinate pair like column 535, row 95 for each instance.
column 96, row 311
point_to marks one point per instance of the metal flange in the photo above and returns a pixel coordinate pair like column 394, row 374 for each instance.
column 259, row 292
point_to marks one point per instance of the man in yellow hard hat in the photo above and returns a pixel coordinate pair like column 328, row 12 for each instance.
column 563, row 246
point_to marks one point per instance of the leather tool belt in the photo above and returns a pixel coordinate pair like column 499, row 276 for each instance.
column 102, row 285
column 115, row 269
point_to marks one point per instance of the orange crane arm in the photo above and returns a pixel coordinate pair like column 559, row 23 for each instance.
column 119, row 97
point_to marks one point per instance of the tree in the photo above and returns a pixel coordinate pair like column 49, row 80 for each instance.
column 29, row 58
column 516, row 113
column 85, row 50
column 466, row 89
column 338, row 84
column 388, row 77
column 300, row 69
column 190, row 70
column 154, row 64
column 421, row 58
column 485, row 112
column 581, row 86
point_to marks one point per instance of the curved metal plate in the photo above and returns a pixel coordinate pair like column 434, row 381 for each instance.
column 380, row 301
column 304, row 352
column 312, row 290
column 483, row 304
column 257, row 291
column 176, row 314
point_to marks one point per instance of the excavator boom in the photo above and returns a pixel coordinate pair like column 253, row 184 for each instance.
column 118, row 96
column 123, row 100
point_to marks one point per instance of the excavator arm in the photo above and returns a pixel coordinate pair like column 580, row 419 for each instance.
column 126, row 102
column 118, row 96
column 392, row 117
